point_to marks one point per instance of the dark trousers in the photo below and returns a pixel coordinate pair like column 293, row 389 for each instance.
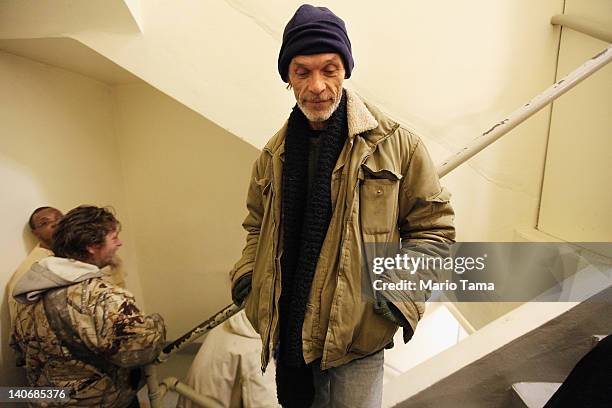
column 589, row 384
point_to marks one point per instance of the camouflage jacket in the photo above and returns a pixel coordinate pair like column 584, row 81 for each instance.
column 90, row 337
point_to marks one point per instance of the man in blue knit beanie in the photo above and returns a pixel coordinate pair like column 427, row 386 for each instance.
column 338, row 175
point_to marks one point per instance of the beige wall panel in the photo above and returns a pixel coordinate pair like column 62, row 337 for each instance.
column 596, row 10
column 577, row 199
column 186, row 183
column 57, row 148
column 33, row 18
column 208, row 56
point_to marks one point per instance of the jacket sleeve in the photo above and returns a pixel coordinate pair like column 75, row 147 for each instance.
column 425, row 212
column 252, row 223
column 15, row 343
column 426, row 224
column 115, row 328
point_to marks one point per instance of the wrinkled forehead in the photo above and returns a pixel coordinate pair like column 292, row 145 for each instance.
column 317, row 60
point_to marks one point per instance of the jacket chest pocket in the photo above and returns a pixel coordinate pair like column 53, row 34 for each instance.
column 378, row 200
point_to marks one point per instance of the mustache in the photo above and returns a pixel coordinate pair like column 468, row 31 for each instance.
column 318, row 99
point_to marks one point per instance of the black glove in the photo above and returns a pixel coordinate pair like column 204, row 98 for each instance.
column 391, row 313
column 241, row 289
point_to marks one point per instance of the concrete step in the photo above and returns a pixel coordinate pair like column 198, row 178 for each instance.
column 532, row 394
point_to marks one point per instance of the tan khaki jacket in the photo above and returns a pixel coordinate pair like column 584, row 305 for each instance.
column 384, row 188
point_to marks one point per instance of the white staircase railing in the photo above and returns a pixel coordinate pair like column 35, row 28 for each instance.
column 526, row 111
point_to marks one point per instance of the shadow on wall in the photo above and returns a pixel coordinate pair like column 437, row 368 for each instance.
column 7, row 355
column 29, row 240
column 186, row 181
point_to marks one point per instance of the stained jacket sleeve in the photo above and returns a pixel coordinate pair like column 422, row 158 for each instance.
column 113, row 327
column 252, row 223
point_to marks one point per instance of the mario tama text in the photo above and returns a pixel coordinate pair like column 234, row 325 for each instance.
column 400, row 272
column 432, row 285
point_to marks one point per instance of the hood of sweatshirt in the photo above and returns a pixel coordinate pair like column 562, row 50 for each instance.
column 52, row 273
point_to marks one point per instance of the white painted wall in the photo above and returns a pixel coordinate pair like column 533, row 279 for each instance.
column 576, row 198
column 57, row 148
column 209, row 57
column 448, row 69
column 186, row 181
column 57, row 18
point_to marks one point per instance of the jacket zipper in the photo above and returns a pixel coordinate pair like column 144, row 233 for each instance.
column 273, row 289
column 324, row 359
column 365, row 158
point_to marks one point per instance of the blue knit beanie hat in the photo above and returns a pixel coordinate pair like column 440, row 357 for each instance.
column 314, row 30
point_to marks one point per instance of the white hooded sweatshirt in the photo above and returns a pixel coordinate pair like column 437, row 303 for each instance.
column 227, row 368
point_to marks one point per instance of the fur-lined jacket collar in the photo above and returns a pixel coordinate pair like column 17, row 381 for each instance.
column 363, row 119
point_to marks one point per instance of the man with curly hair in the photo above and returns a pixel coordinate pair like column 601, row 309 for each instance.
column 75, row 330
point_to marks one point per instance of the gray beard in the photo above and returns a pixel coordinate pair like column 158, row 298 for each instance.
column 322, row 117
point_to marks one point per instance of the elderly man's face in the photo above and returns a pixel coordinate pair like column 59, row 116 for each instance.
column 317, row 84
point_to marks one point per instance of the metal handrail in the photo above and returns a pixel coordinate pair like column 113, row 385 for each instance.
column 526, row 111
column 517, row 117
column 157, row 390
column 198, row 331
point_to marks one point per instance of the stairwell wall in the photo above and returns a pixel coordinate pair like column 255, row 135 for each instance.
column 57, row 148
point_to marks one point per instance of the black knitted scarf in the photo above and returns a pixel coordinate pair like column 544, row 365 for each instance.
column 304, row 222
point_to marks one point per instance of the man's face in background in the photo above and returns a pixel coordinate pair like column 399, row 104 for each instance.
column 44, row 223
